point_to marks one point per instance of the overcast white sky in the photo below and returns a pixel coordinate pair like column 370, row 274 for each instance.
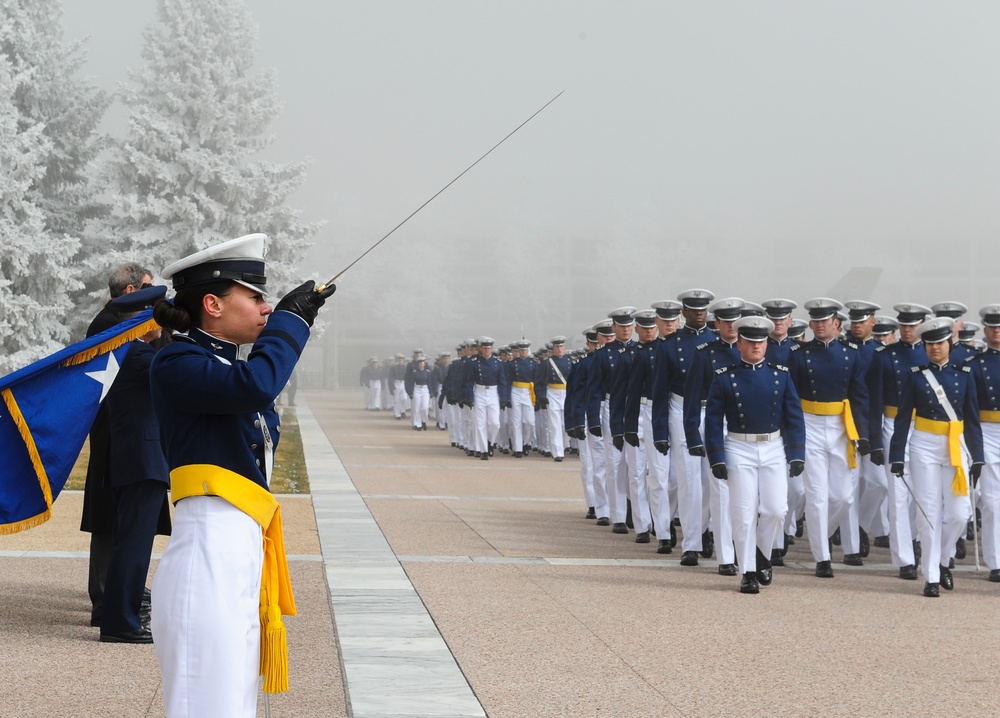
column 771, row 146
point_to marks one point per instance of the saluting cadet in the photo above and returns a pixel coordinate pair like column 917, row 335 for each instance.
column 521, row 374
column 599, row 382
column 489, row 387
column 223, row 583
column 986, row 370
column 829, row 375
column 673, row 357
column 591, row 473
column 628, row 432
column 753, row 426
column 890, row 365
column 779, row 311
column 551, row 395
column 940, row 399
column 870, row 487
column 709, row 359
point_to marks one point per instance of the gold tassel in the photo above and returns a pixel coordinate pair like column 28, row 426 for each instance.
column 113, row 343
column 25, row 524
column 274, row 652
column 960, row 485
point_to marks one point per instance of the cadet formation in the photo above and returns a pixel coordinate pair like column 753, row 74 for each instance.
column 716, row 427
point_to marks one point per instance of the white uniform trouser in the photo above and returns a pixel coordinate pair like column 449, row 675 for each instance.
column 758, row 496
column 989, row 495
column 932, row 474
column 556, row 416
column 421, row 404
column 635, row 461
column 469, row 424
column 692, row 480
column 442, row 413
column 541, row 429
column 206, row 611
column 453, row 422
column 376, row 394
column 487, row 412
column 368, row 396
column 901, row 508
column 871, row 497
column 616, row 470
column 387, row 398
column 595, row 446
column 719, row 503
column 850, row 538
column 401, row 402
column 522, row 420
column 659, row 474
column 587, row 478
column 827, row 481
column 796, row 504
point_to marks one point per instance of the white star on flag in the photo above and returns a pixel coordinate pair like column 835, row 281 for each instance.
column 106, row 377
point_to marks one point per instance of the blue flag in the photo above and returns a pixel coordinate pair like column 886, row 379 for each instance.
column 46, row 412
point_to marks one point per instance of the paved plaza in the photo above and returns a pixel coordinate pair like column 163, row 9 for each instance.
column 429, row 584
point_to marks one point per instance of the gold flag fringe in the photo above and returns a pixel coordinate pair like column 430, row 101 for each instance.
column 113, row 343
column 36, row 461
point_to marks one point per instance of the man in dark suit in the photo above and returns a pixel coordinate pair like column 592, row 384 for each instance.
column 98, row 503
column 138, row 479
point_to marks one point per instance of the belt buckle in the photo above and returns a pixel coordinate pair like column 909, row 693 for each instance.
column 763, row 437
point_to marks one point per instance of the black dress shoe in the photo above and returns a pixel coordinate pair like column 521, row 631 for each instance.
column 908, row 572
column 853, row 559
column 917, row 551
column 835, row 539
column 763, row 569
column 865, row 546
column 619, row 528
column 789, row 540
column 931, row 590
column 673, row 535
column 776, row 558
column 141, row 635
column 970, row 532
column 994, row 576
column 727, row 569
column 800, row 528
column 749, row 584
column 642, row 537
column 518, row 454
column 947, row 581
column 689, row 558
column 960, row 549
column 824, row 570
column 484, row 456
column 557, row 459
column 707, row 544
column 663, row 546
column 604, row 521
column 591, row 514
column 881, row 542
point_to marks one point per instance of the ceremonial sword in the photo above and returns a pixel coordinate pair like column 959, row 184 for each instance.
column 323, row 286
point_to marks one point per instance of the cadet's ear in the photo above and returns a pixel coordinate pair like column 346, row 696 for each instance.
column 211, row 305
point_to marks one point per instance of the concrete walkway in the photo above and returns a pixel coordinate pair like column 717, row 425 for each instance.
column 432, row 584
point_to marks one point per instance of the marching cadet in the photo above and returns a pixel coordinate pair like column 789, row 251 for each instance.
column 940, row 399
column 753, row 426
column 870, row 487
column 884, row 331
column 632, row 446
column 486, row 386
column 592, row 401
column 387, row 383
column 441, row 366
column 420, row 385
column 398, row 378
column 599, row 381
column 552, row 395
column 779, row 311
column 668, row 321
column 829, row 375
column 966, row 346
column 521, row 374
column 505, row 435
column 986, row 370
column 797, row 330
column 542, row 440
column 671, row 361
column 591, row 470
column 709, row 359
column 890, row 365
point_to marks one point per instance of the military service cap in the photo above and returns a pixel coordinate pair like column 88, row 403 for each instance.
column 622, row 316
column 778, row 308
column 752, row 309
column 949, row 309
column 604, row 327
column 753, row 328
column 645, row 319
column 822, row 308
column 884, row 325
column 936, row 330
column 697, row 299
column 990, row 314
column 859, row 310
column 797, row 329
column 726, row 310
column 910, row 314
column 667, row 309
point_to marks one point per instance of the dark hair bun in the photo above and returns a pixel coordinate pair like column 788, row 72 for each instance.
column 171, row 316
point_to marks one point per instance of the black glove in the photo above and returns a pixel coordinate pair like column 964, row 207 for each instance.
column 304, row 301
column 595, row 431
column 441, row 402
column 864, row 447
column 720, row 471
column 505, row 405
column 577, row 433
column 542, row 403
column 877, row 457
column 796, row 467
column 697, row 451
column 974, row 471
column 461, row 405
column 618, row 441
column 662, row 446
column 897, row 468
column 632, row 439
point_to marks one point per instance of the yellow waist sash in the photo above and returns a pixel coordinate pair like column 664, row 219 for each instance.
column 529, row 385
column 991, row 417
column 563, row 386
column 837, row 408
column 953, row 430
column 893, row 411
column 276, row 597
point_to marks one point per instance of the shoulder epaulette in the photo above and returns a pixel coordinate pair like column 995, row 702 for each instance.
column 916, row 369
column 966, row 368
column 851, row 344
column 723, row 370
column 880, row 348
column 795, row 347
column 779, row 367
column 702, row 346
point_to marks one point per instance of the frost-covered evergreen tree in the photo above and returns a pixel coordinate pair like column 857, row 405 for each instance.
column 188, row 173
column 33, row 298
